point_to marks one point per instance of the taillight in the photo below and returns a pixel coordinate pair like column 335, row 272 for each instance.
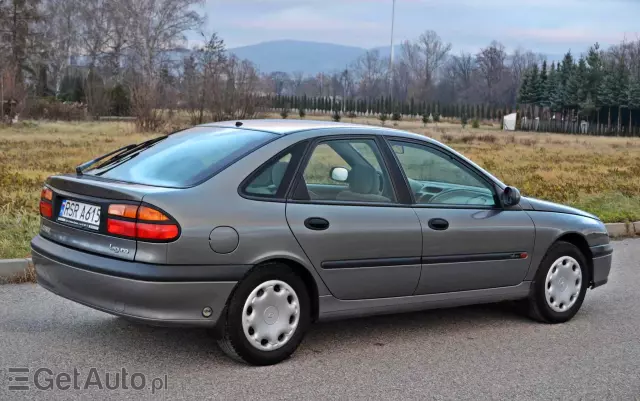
column 143, row 223
column 46, row 208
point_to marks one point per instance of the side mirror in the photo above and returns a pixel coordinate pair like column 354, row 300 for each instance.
column 339, row 174
column 510, row 196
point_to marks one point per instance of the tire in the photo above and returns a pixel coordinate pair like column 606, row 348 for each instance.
column 235, row 340
column 542, row 306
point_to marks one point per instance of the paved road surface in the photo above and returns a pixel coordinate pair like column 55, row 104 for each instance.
column 473, row 353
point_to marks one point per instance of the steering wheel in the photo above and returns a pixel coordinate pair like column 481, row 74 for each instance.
column 471, row 194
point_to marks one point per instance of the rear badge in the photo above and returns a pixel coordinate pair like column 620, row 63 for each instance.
column 45, row 229
column 116, row 249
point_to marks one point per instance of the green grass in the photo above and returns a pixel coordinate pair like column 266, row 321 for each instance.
column 16, row 230
column 610, row 207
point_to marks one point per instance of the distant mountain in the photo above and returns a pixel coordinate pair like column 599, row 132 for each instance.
column 314, row 57
column 293, row 55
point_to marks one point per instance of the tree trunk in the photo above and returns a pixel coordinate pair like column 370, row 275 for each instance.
column 619, row 120
column 630, row 130
column 609, row 121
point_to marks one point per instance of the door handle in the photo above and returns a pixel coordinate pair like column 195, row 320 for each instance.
column 438, row 224
column 316, row 223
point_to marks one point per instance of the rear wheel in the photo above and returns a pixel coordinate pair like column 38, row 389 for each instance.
column 560, row 284
column 267, row 316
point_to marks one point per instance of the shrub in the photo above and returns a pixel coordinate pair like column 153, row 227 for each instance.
column 467, row 138
column 383, row 117
column 436, row 117
column 488, row 138
column 352, row 115
column 475, row 124
column 55, row 110
column 284, row 113
column 447, row 138
column 464, row 120
column 396, row 116
column 425, row 119
column 302, row 113
column 120, row 102
column 336, row 116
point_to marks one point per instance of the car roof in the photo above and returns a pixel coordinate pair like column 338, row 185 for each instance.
column 285, row 127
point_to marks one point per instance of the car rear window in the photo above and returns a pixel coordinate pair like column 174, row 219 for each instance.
column 186, row 158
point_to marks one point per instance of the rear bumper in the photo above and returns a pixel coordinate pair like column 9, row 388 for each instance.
column 602, row 258
column 149, row 300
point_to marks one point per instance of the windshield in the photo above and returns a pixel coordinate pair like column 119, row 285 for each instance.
column 186, row 158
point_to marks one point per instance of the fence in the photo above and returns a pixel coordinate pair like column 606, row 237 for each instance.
column 577, row 127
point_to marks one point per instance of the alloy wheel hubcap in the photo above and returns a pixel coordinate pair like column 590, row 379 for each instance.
column 270, row 315
column 563, row 284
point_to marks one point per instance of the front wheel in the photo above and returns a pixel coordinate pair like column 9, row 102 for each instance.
column 560, row 284
column 267, row 316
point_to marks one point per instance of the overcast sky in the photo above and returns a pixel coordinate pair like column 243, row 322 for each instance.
column 549, row 26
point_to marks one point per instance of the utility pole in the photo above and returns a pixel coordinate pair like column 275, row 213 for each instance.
column 393, row 18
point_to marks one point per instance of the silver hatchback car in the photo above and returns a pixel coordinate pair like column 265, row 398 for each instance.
column 259, row 228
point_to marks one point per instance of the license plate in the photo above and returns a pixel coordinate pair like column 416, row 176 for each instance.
column 80, row 214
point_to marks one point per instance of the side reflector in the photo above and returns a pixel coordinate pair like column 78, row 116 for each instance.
column 121, row 227
column 46, row 209
column 157, row 231
column 128, row 211
column 149, row 214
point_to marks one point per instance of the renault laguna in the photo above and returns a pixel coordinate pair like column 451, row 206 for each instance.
column 256, row 229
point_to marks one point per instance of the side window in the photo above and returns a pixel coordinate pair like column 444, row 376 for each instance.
column 269, row 178
column 349, row 171
column 435, row 178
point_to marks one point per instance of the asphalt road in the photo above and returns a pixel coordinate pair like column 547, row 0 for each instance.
column 474, row 353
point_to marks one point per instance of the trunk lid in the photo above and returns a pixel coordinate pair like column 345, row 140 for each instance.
column 84, row 227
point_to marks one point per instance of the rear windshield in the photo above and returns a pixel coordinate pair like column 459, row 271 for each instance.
column 186, row 158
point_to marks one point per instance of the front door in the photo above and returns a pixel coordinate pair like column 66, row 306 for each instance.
column 469, row 241
column 345, row 215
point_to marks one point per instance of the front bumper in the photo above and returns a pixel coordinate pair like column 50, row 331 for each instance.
column 602, row 258
column 167, row 303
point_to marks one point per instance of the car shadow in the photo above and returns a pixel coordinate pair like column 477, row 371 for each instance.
column 92, row 332
column 331, row 336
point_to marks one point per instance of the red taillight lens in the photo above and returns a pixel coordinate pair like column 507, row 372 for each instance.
column 121, row 227
column 46, row 209
column 143, row 223
column 158, row 232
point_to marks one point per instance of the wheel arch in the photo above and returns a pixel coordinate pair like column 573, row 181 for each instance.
column 581, row 243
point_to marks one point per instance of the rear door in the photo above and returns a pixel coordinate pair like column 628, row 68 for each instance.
column 362, row 240
column 469, row 241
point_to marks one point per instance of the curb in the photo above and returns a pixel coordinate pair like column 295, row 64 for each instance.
column 15, row 269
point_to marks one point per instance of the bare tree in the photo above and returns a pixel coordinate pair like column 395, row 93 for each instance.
column 432, row 53
column 296, row 82
column 156, row 27
column 280, row 80
column 211, row 59
column 491, row 64
column 371, row 71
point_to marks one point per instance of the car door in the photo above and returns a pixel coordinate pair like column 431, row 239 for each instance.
column 469, row 241
column 363, row 242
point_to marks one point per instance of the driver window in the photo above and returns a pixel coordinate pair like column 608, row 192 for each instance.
column 437, row 179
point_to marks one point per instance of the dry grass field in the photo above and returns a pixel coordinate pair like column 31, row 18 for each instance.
column 598, row 174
